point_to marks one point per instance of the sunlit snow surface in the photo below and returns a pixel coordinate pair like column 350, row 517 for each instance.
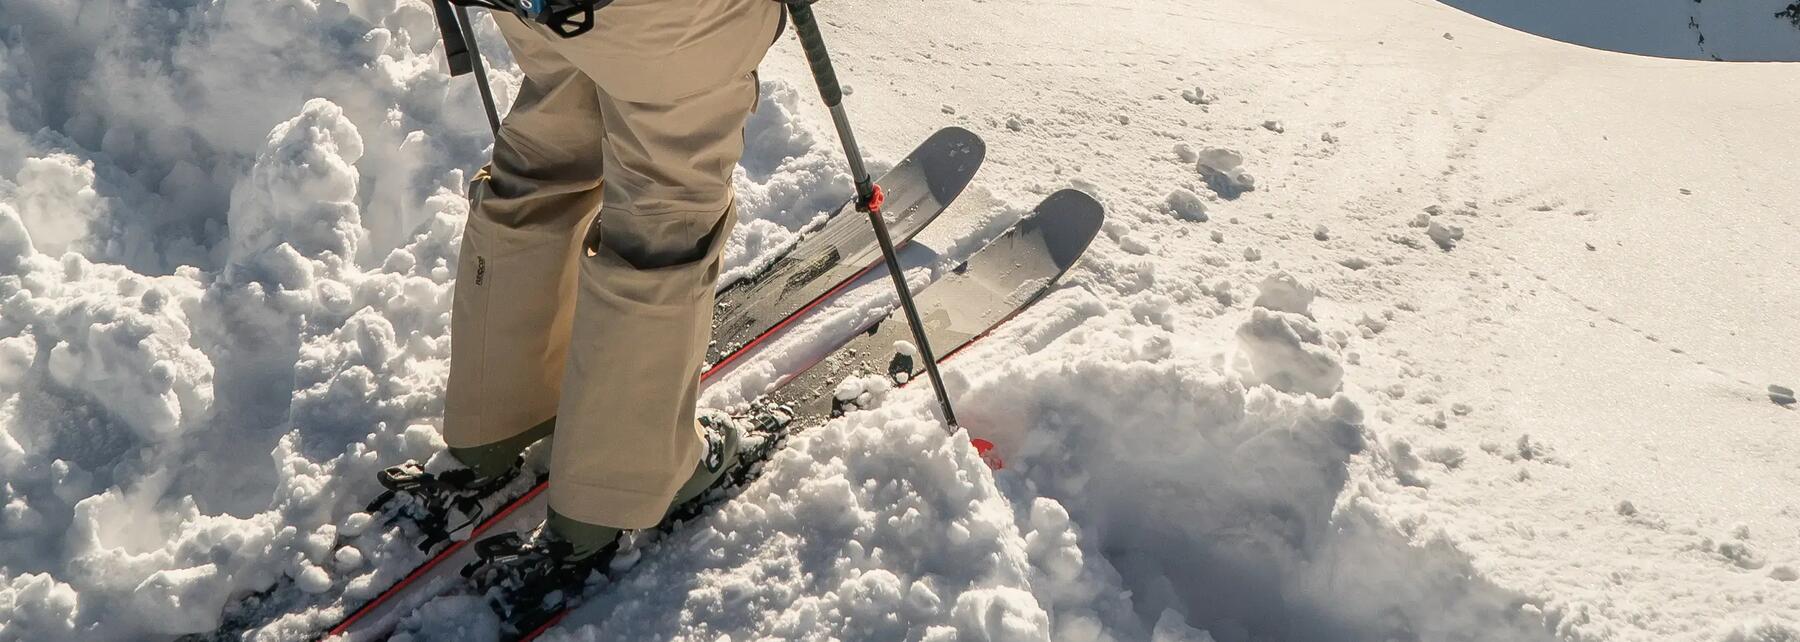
column 1403, row 327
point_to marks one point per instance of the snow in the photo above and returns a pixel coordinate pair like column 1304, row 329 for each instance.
column 1497, row 344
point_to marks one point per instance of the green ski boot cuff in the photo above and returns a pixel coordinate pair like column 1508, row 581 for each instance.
column 497, row 458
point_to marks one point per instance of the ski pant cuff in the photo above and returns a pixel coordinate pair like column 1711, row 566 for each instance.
column 494, row 459
column 603, row 506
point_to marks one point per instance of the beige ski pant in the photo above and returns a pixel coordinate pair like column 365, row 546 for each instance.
column 601, row 326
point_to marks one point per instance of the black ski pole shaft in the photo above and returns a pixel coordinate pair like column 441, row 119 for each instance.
column 481, row 77
column 868, row 195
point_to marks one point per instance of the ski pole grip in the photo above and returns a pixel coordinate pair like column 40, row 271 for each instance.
column 813, row 42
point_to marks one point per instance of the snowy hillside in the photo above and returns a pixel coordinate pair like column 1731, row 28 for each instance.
column 1717, row 30
column 1405, row 326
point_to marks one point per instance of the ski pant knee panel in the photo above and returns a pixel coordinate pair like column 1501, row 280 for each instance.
column 627, row 439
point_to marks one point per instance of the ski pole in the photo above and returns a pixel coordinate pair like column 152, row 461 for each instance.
column 868, row 194
column 477, row 67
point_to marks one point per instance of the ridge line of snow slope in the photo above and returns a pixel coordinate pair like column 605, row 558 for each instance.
column 1748, row 30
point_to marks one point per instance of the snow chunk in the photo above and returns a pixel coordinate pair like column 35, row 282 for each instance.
column 301, row 193
column 132, row 357
column 39, row 602
column 16, row 355
column 356, row 524
column 1001, row 614
column 15, row 240
column 347, row 558
column 56, row 201
column 1282, row 292
column 849, row 388
column 313, row 579
column 1287, row 352
column 1740, row 554
column 1224, row 173
column 1445, row 236
column 176, row 600
column 1185, row 205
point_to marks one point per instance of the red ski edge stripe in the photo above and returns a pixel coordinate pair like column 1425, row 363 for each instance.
column 547, row 625
column 746, row 349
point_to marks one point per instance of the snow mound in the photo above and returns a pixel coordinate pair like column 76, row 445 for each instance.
column 1246, row 519
column 872, row 528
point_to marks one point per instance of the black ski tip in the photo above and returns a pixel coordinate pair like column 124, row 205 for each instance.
column 949, row 159
column 954, row 137
column 1069, row 220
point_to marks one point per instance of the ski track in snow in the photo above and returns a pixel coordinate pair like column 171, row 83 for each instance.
column 1402, row 326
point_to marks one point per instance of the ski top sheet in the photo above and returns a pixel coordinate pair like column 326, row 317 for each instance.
column 820, row 265
column 994, row 285
column 918, row 189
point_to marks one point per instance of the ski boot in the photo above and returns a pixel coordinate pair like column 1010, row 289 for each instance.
column 528, row 579
column 736, row 445
column 431, row 500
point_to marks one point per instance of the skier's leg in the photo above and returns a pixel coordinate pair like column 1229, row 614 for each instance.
column 514, row 298
column 675, row 83
column 628, row 440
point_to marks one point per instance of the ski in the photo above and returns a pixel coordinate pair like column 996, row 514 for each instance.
column 824, row 262
column 918, row 190
column 827, row 258
column 995, row 284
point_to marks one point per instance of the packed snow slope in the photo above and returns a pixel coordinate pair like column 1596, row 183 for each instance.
column 1405, row 326
column 1741, row 30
